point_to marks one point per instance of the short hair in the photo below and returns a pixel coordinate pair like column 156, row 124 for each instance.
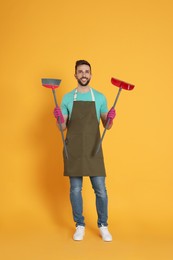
column 82, row 62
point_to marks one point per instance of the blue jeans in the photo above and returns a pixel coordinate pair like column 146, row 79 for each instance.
column 98, row 184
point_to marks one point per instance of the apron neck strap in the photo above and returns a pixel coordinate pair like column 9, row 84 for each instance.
column 91, row 91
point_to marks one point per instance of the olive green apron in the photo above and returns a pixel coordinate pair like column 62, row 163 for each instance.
column 82, row 138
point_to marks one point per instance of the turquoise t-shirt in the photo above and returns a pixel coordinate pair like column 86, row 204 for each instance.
column 100, row 102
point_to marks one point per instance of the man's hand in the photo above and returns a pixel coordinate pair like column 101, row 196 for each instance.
column 58, row 114
column 110, row 116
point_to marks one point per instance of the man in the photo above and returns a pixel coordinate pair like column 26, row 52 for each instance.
column 80, row 112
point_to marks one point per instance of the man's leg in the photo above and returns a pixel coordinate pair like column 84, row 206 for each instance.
column 77, row 206
column 98, row 184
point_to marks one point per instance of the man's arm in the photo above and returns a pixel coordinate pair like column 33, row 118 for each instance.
column 62, row 119
column 64, row 125
column 108, row 116
column 104, row 120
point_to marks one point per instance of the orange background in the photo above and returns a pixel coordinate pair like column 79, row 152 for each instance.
column 130, row 40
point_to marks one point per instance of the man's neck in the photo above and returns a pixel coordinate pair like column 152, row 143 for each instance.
column 83, row 89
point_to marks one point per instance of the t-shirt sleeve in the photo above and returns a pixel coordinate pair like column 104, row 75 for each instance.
column 64, row 107
column 104, row 106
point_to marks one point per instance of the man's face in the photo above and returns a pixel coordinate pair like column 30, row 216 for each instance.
column 83, row 75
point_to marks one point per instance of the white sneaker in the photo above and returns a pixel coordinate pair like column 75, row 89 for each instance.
column 106, row 236
column 79, row 233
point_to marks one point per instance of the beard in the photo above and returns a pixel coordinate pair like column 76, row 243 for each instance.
column 83, row 84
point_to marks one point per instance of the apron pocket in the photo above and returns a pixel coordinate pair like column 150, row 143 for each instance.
column 75, row 146
column 91, row 143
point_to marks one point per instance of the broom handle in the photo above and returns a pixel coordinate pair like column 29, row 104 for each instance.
column 62, row 135
column 107, row 123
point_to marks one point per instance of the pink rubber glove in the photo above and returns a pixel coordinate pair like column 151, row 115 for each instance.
column 111, row 115
column 58, row 114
